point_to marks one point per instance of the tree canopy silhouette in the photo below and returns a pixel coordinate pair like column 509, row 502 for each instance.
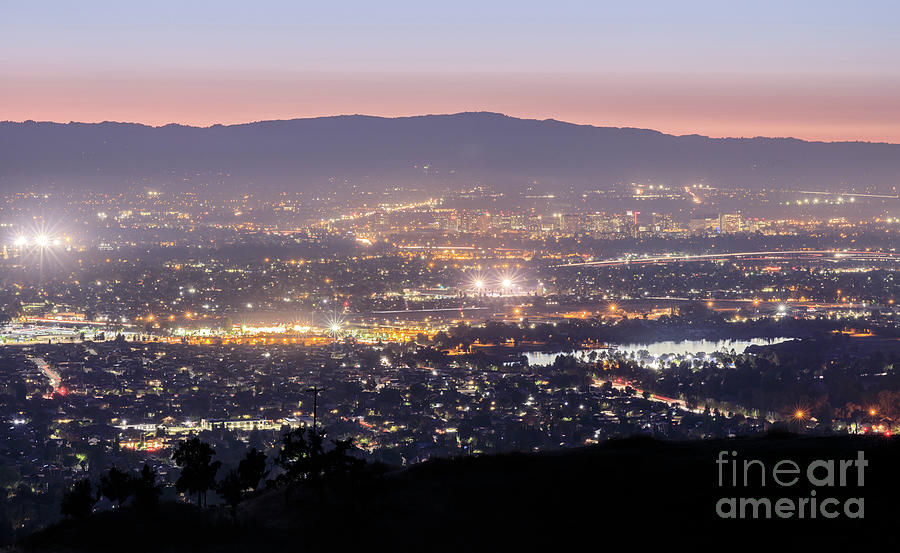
column 79, row 500
column 304, row 458
column 252, row 469
column 231, row 490
column 198, row 470
column 117, row 486
column 146, row 489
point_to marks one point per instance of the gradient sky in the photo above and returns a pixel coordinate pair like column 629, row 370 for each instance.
column 823, row 70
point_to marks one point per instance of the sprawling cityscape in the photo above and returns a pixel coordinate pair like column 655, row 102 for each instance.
column 479, row 276
column 431, row 327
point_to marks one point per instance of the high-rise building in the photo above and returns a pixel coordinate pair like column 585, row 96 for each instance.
column 447, row 221
column 663, row 222
column 570, row 223
column 703, row 224
column 730, row 223
column 474, row 221
column 508, row 221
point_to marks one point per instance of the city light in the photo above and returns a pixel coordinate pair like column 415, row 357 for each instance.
column 334, row 324
column 495, row 282
column 310, row 309
column 477, row 281
column 508, row 280
column 41, row 241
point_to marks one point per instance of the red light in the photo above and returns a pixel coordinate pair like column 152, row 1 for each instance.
column 887, row 434
column 62, row 391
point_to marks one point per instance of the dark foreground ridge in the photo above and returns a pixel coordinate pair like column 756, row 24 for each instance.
column 642, row 491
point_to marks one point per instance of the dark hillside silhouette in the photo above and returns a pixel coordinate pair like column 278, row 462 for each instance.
column 645, row 492
column 462, row 149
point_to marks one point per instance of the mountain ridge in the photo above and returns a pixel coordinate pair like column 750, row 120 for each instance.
column 434, row 115
column 430, row 150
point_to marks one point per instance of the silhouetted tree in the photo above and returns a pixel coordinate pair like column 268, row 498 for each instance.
column 252, row 469
column 146, row 489
column 339, row 463
column 198, row 471
column 231, row 489
column 79, row 500
column 300, row 454
column 117, row 485
column 303, row 457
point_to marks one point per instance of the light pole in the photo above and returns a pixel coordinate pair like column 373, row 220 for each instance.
column 315, row 392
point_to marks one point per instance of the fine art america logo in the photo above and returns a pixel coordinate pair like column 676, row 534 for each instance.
column 803, row 491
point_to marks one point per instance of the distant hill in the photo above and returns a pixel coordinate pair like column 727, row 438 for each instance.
column 431, row 150
column 622, row 495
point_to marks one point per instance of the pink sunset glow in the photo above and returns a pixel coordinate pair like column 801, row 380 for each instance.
column 818, row 71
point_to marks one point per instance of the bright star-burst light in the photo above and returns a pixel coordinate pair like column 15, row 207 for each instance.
column 477, row 281
column 508, row 280
column 334, row 325
column 39, row 245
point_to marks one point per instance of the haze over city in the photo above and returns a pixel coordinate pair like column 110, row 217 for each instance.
column 472, row 276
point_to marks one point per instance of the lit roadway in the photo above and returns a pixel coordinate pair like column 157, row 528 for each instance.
column 620, row 384
column 48, row 371
column 800, row 255
column 73, row 322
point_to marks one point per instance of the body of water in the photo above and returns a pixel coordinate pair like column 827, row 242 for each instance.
column 667, row 347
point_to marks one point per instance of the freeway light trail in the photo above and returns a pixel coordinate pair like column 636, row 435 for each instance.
column 849, row 195
column 826, row 255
